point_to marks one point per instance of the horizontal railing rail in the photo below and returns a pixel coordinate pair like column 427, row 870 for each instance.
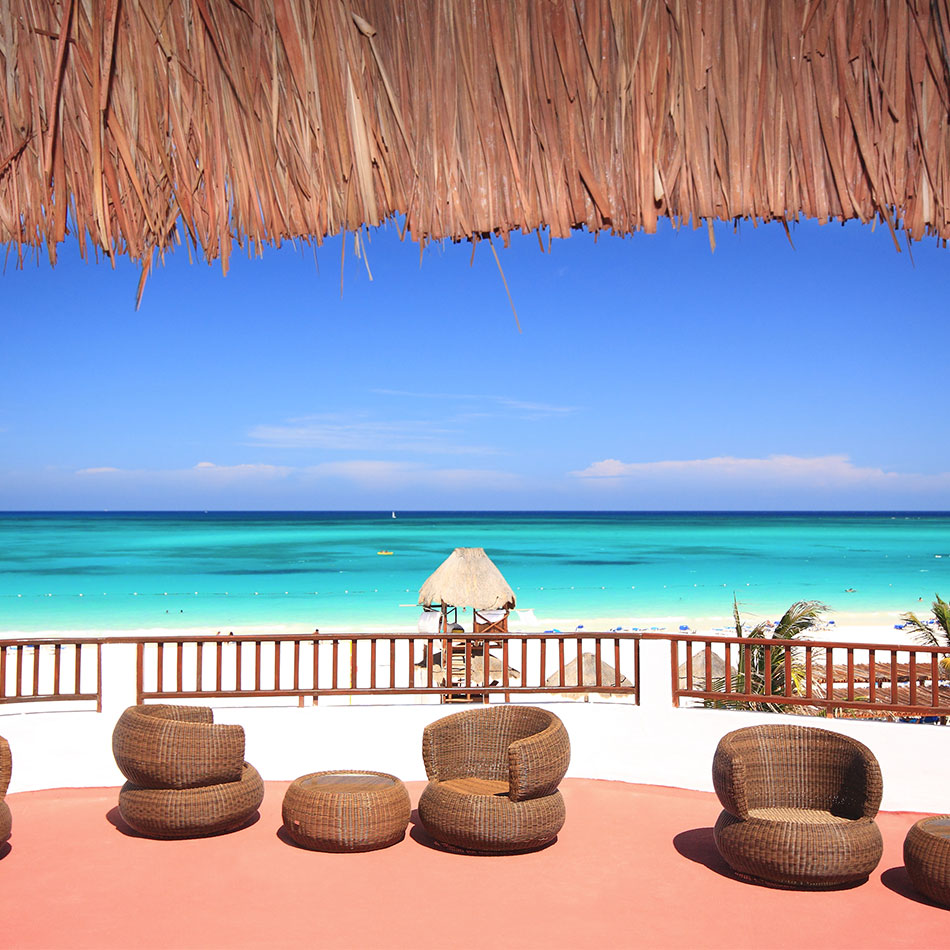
column 464, row 667
column 848, row 679
column 42, row 670
column 865, row 680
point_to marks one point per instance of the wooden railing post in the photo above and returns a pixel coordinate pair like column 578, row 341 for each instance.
column 675, row 671
column 139, row 673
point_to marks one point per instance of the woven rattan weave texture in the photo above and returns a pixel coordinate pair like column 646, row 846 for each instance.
column 192, row 812
column 346, row 811
column 176, row 747
column 187, row 777
column 927, row 857
column 6, row 767
column 799, row 806
column 493, row 777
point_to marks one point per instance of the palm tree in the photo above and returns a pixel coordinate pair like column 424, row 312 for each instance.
column 799, row 620
column 930, row 634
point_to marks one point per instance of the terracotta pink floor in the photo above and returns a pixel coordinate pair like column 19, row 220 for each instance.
column 635, row 866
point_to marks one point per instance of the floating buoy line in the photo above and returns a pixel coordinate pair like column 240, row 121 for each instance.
column 349, row 592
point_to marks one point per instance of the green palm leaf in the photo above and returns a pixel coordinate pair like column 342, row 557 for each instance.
column 930, row 635
column 768, row 676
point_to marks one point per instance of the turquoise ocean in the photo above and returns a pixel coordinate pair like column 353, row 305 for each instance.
column 122, row 571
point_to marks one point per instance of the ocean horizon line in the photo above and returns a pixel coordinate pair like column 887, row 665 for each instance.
column 731, row 512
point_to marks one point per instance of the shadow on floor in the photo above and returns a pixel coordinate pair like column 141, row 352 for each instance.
column 5, row 849
column 699, row 845
column 282, row 835
column 418, row 834
column 114, row 817
column 898, row 880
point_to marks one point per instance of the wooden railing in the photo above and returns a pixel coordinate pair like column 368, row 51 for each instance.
column 33, row 671
column 863, row 680
column 385, row 664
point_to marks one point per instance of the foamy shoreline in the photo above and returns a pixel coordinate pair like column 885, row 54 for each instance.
column 875, row 627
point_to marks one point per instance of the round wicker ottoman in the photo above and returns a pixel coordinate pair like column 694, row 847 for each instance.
column 346, row 811
column 927, row 857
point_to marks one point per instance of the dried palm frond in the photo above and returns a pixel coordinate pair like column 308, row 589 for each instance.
column 134, row 124
column 468, row 577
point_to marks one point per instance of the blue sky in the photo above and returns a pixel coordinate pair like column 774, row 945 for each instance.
column 650, row 374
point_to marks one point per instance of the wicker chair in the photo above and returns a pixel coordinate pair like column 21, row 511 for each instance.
column 6, row 767
column 493, row 778
column 187, row 777
column 799, row 806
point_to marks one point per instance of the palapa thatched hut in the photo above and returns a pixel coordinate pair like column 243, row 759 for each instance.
column 608, row 675
column 136, row 125
column 468, row 578
column 699, row 671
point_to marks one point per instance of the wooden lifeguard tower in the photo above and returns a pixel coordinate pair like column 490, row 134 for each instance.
column 467, row 578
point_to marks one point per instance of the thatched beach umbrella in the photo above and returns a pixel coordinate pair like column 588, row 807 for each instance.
column 467, row 578
column 608, row 675
column 138, row 125
column 699, row 671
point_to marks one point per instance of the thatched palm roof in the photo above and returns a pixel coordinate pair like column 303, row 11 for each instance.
column 142, row 122
column 467, row 578
column 588, row 675
column 699, row 671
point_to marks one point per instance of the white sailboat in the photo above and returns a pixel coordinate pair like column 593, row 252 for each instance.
column 394, row 514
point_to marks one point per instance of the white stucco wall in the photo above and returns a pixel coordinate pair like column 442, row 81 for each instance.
column 651, row 744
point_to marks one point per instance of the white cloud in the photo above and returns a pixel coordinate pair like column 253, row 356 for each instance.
column 540, row 408
column 363, row 469
column 823, row 473
column 533, row 408
column 365, row 473
column 242, row 471
column 351, row 433
column 380, row 473
column 201, row 470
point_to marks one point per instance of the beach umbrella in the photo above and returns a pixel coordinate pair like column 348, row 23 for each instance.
column 467, row 578
column 699, row 671
column 588, row 674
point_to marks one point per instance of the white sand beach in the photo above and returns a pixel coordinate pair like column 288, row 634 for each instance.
column 877, row 627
